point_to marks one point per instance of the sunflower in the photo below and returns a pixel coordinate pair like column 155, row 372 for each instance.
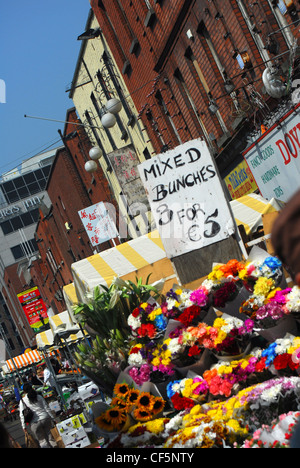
column 121, row 390
column 145, row 400
column 142, row 414
column 132, row 396
column 159, row 404
column 112, row 419
column 119, row 402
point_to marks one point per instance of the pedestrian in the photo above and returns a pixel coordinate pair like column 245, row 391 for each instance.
column 49, row 380
column 285, row 239
column 42, row 421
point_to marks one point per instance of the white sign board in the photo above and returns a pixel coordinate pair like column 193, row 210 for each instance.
column 274, row 159
column 98, row 224
column 186, row 198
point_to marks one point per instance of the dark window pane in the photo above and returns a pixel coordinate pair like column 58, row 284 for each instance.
column 35, row 215
column 33, row 188
column 19, row 182
column 16, row 223
column 30, row 177
column 27, row 219
column 13, row 196
column 8, row 186
column 17, row 252
column 23, row 192
column 6, row 227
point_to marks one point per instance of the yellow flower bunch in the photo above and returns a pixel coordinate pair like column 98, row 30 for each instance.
column 295, row 345
column 156, row 426
column 162, row 356
column 152, row 316
column 263, row 286
column 216, row 274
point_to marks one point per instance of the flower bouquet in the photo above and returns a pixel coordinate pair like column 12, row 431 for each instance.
column 276, row 435
column 128, row 405
column 227, row 337
column 187, row 392
column 147, row 321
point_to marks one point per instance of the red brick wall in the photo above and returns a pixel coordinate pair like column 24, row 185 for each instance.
column 163, row 47
column 14, row 285
column 70, row 189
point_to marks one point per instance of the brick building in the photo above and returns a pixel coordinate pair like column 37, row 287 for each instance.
column 194, row 67
column 60, row 235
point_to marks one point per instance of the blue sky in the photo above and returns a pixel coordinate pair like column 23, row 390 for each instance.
column 38, row 55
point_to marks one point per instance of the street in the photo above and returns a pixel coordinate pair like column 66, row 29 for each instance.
column 15, row 430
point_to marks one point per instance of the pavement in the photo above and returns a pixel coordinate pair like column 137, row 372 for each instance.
column 15, row 430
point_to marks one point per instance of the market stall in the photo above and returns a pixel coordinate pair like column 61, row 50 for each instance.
column 222, row 359
column 138, row 257
column 249, row 210
column 23, row 360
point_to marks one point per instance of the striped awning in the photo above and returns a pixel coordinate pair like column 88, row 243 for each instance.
column 102, row 268
column 46, row 339
column 24, row 360
column 248, row 210
column 70, row 297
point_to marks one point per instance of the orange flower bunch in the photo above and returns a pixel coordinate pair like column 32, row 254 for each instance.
column 231, row 268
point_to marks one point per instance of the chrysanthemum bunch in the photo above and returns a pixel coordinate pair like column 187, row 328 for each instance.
column 197, row 430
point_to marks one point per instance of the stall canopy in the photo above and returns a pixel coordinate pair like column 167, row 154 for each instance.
column 46, row 339
column 248, row 210
column 61, row 326
column 102, row 268
column 23, row 360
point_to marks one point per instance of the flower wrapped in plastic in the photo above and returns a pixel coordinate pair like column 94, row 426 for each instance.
column 147, row 321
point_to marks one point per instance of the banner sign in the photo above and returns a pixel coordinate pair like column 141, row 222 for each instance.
column 98, row 224
column 34, row 308
column 187, row 198
column 274, row 159
column 240, row 181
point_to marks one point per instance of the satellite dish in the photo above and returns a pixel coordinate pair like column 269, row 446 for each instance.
column 273, row 84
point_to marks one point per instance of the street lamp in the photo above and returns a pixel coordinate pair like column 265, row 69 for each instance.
column 95, row 153
column 108, row 120
column 91, row 166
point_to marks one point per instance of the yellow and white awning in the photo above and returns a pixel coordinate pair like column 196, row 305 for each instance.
column 248, row 210
column 102, row 268
column 70, row 297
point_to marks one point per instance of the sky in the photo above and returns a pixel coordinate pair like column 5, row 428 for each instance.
column 38, row 55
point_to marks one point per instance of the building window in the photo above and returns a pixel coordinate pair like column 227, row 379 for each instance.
column 25, row 185
column 24, row 249
column 18, row 222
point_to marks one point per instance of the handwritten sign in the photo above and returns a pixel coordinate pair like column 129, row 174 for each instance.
column 98, row 224
column 274, row 159
column 187, row 198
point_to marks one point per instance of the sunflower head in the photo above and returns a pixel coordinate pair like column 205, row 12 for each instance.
column 145, row 400
column 158, row 406
column 112, row 419
column 121, row 390
column 142, row 414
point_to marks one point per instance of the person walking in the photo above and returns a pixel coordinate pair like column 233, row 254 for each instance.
column 42, row 420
